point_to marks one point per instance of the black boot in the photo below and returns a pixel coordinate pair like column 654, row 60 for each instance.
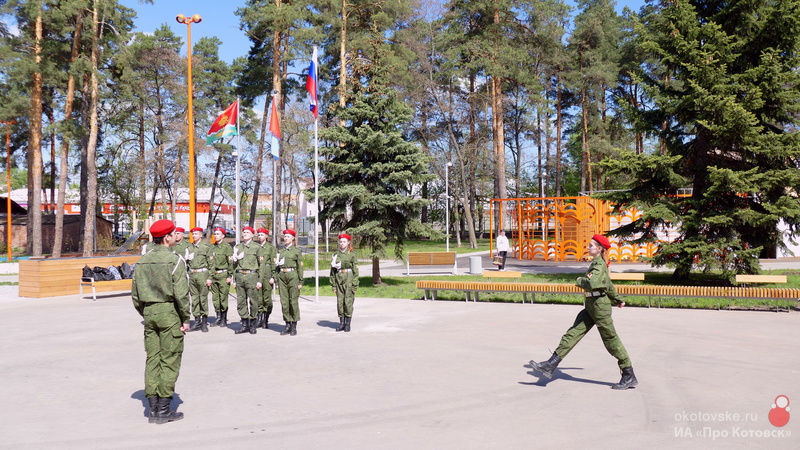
column 260, row 320
column 341, row 324
column 266, row 321
column 286, row 329
column 548, row 367
column 245, row 327
column 198, row 322
column 224, row 322
column 153, row 401
column 253, row 326
column 293, row 330
column 628, row 379
column 218, row 320
column 347, row 324
column 204, row 324
column 164, row 413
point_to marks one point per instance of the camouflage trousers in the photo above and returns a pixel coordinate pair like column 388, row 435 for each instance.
column 198, row 293
column 163, row 342
column 345, row 294
column 596, row 312
column 219, row 292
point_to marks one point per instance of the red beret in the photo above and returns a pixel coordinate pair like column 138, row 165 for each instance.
column 289, row 232
column 220, row 229
column 263, row 230
column 602, row 240
column 162, row 228
column 180, row 230
column 346, row 236
column 249, row 228
column 197, row 229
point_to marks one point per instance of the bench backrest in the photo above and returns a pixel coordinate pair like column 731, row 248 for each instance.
column 501, row 274
column 431, row 258
column 626, row 276
column 761, row 279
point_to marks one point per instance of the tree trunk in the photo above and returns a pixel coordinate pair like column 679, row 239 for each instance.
column 35, row 148
column 558, row 136
column 376, row 272
column 91, row 149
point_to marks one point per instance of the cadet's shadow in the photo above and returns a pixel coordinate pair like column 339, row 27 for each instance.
column 328, row 324
column 139, row 395
column 560, row 375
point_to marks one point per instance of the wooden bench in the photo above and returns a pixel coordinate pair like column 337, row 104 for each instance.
column 54, row 277
column 104, row 286
column 430, row 288
column 626, row 276
column 776, row 279
column 431, row 259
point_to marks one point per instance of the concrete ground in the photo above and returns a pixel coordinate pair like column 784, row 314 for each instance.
column 411, row 374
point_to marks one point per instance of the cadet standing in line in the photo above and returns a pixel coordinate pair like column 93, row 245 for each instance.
column 600, row 294
column 289, row 267
column 222, row 262
column 267, row 280
column 247, row 262
column 344, row 280
column 199, row 259
column 180, row 243
column 160, row 293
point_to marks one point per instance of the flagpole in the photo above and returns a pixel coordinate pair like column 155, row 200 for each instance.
column 316, row 182
column 237, row 220
column 275, row 193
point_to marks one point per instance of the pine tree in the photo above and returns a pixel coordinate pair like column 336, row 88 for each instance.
column 727, row 114
column 371, row 170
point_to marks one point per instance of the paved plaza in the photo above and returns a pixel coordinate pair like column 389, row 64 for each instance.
column 411, row 374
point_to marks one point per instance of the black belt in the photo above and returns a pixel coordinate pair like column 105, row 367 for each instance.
column 594, row 294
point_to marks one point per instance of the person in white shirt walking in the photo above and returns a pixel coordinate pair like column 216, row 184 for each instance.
column 502, row 248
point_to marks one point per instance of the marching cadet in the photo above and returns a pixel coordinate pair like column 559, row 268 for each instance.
column 267, row 280
column 181, row 244
column 289, row 267
column 344, row 280
column 199, row 259
column 160, row 293
column 247, row 261
column 600, row 295
column 222, row 263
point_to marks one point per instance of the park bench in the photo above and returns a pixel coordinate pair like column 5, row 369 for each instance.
column 431, row 287
column 626, row 276
column 493, row 274
column 774, row 279
column 431, row 259
column 55, row 277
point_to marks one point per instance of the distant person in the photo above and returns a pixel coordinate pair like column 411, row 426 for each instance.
column 289, row 267
column 160, row 293
column 502, row 248
column 180, row 243
column 200, row 264
column 344, row 281
column 267, row 278
column 222, row 256
column 248, row 259
column 600, row 295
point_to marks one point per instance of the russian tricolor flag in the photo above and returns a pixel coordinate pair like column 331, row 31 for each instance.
column 311, row 84
column 274, row 130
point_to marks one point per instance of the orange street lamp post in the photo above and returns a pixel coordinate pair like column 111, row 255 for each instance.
column 192, row 205
column 8, row 184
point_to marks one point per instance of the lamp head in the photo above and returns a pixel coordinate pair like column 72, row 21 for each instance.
column 180, row 18
column 196, row 18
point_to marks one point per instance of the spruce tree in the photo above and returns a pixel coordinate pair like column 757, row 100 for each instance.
column 370, row 170
column 725, row 94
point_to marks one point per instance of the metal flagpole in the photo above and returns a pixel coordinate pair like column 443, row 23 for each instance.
column 316, row 211
column 238, row 219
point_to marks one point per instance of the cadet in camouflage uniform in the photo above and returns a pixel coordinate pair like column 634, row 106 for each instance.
column 180, row 243
column 267, row 280
column 160, row 293
column 600, row 295
column 344, row 280
column 247, row 261
column 199, row 259
column 222, row 263
column 289, row 267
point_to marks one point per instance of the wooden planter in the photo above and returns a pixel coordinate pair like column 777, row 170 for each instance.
column 40, row 278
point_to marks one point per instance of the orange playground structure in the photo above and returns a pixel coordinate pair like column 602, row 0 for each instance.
column 559, row 228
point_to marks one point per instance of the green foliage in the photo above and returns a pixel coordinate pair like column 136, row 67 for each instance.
column 725, row 94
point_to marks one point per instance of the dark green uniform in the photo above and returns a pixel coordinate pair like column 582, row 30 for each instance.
column 247, row 261
column 199, row 264
column 160, row 292
column 344, row 281
column 222, row 263
column 600, row 296
column 148, row 247
column 180, row 248
column 265, row 307
column 290, row 276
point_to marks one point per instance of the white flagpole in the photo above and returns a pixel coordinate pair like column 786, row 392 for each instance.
column 237, row 219
column 316, row 185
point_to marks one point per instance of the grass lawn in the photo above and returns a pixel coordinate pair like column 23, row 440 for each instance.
column 412, row 246
column 405, row 287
